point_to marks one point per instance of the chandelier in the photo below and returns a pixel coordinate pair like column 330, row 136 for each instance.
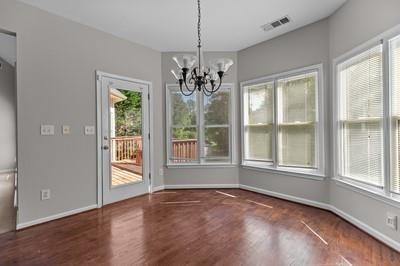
column 193, row 75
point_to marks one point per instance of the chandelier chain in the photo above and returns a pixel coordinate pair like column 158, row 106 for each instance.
column 198, row 23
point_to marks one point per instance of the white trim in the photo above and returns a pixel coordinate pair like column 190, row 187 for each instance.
column 366, row 228
column 320, row 121
column 313, row 203
column 55, row 217
column 8, row 171
column 159, row 188
column 281, row 170
column 199, row 166
column 196, row 186
column 354, row 221
column 99, row 75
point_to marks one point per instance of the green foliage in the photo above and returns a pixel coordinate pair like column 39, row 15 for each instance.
column 128, row 114
column 184, row 116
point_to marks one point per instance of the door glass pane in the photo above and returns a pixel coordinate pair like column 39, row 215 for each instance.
column 125, row 120
column 216, row 143
column 184, row 145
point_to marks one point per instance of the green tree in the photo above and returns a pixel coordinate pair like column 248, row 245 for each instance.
column 128, row 114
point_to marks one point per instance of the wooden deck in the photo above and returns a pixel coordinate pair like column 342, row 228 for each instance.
column 122, row 174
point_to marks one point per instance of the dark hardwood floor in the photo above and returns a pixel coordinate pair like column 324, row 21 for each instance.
column 197, row 227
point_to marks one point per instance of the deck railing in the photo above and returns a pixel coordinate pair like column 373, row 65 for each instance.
column 184, row 150
column 130, row 149
column 126, row 148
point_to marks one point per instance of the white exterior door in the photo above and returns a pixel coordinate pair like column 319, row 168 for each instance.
column 125, row 153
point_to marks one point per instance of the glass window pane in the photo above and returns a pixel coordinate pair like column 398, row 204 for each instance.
column 184, row 145
column 394, row 59
column 361, row 102
column 258, row 121
column 297, row 96
column 363, row 152
column 260, row 104
column 258, row 141
column 297, row 116
column 183, row 109
column 217, row 108
column 297, row 145
column 217, row 143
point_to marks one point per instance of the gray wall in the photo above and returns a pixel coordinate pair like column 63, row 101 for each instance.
column 304, row 47
column 57, row 60
column 202, row 175
column 8, row 117
column 355, row 23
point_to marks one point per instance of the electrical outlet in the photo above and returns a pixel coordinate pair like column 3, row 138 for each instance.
column 161, row 172
column 391, row 221
column 45, row 194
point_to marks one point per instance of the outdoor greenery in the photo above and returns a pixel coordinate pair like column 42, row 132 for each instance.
column 128, row 116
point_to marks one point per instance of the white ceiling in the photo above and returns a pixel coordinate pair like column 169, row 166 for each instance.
column 170, row 25
column 8, row 48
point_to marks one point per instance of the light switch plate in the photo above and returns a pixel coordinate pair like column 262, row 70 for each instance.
column 66, row 130
column 391, row 221
column 89, row 130
column 45, row 194
column 47, row 130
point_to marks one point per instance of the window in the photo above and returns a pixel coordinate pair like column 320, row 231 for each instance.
column 368, row 116
column 281, row 130
column 199, row 127
column 394, row 70
column 360, row 84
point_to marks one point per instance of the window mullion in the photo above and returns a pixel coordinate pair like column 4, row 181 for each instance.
column 386, row 118
column 275, row 121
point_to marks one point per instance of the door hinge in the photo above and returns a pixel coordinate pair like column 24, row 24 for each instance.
column 97, row 77
column 149, row 135
column 148, row 96
column 150, row 176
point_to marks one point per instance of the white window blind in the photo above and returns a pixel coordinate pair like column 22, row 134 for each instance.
column 394, row 70
column 297, row 120
column 281, row 127
column 258, row 122
column 360, row 82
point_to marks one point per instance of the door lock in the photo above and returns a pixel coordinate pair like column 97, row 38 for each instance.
column 105, row 147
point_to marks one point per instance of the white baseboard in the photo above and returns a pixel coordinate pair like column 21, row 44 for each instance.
column 155, row 189
column 313, row 203
column 55, row 217
column 194, row 186
column 361, row 225
column 366, row 228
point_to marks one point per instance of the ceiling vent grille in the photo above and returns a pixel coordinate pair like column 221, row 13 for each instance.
column 276, row 23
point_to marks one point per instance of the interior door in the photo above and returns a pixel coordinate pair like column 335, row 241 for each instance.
column 125, row 139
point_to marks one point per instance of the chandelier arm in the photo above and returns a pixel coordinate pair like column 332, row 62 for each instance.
column 219, row 86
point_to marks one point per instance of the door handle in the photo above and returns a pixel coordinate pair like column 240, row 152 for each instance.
column 105, row 147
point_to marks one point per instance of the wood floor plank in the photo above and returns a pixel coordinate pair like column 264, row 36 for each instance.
column 220, row 230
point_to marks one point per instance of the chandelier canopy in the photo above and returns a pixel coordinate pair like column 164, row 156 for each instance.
column 193, row 75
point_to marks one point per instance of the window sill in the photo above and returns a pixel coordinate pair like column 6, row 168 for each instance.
column 193, row 166
column 294, row 172
column 377, row 194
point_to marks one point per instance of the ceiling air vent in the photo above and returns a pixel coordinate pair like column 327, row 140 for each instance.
column 276, row 23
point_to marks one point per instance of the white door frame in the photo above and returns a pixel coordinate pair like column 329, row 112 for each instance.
column 99, row 76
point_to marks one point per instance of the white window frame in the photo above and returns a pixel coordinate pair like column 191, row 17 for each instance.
column 381, row 193
column 200, row 130
column 313, row 173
